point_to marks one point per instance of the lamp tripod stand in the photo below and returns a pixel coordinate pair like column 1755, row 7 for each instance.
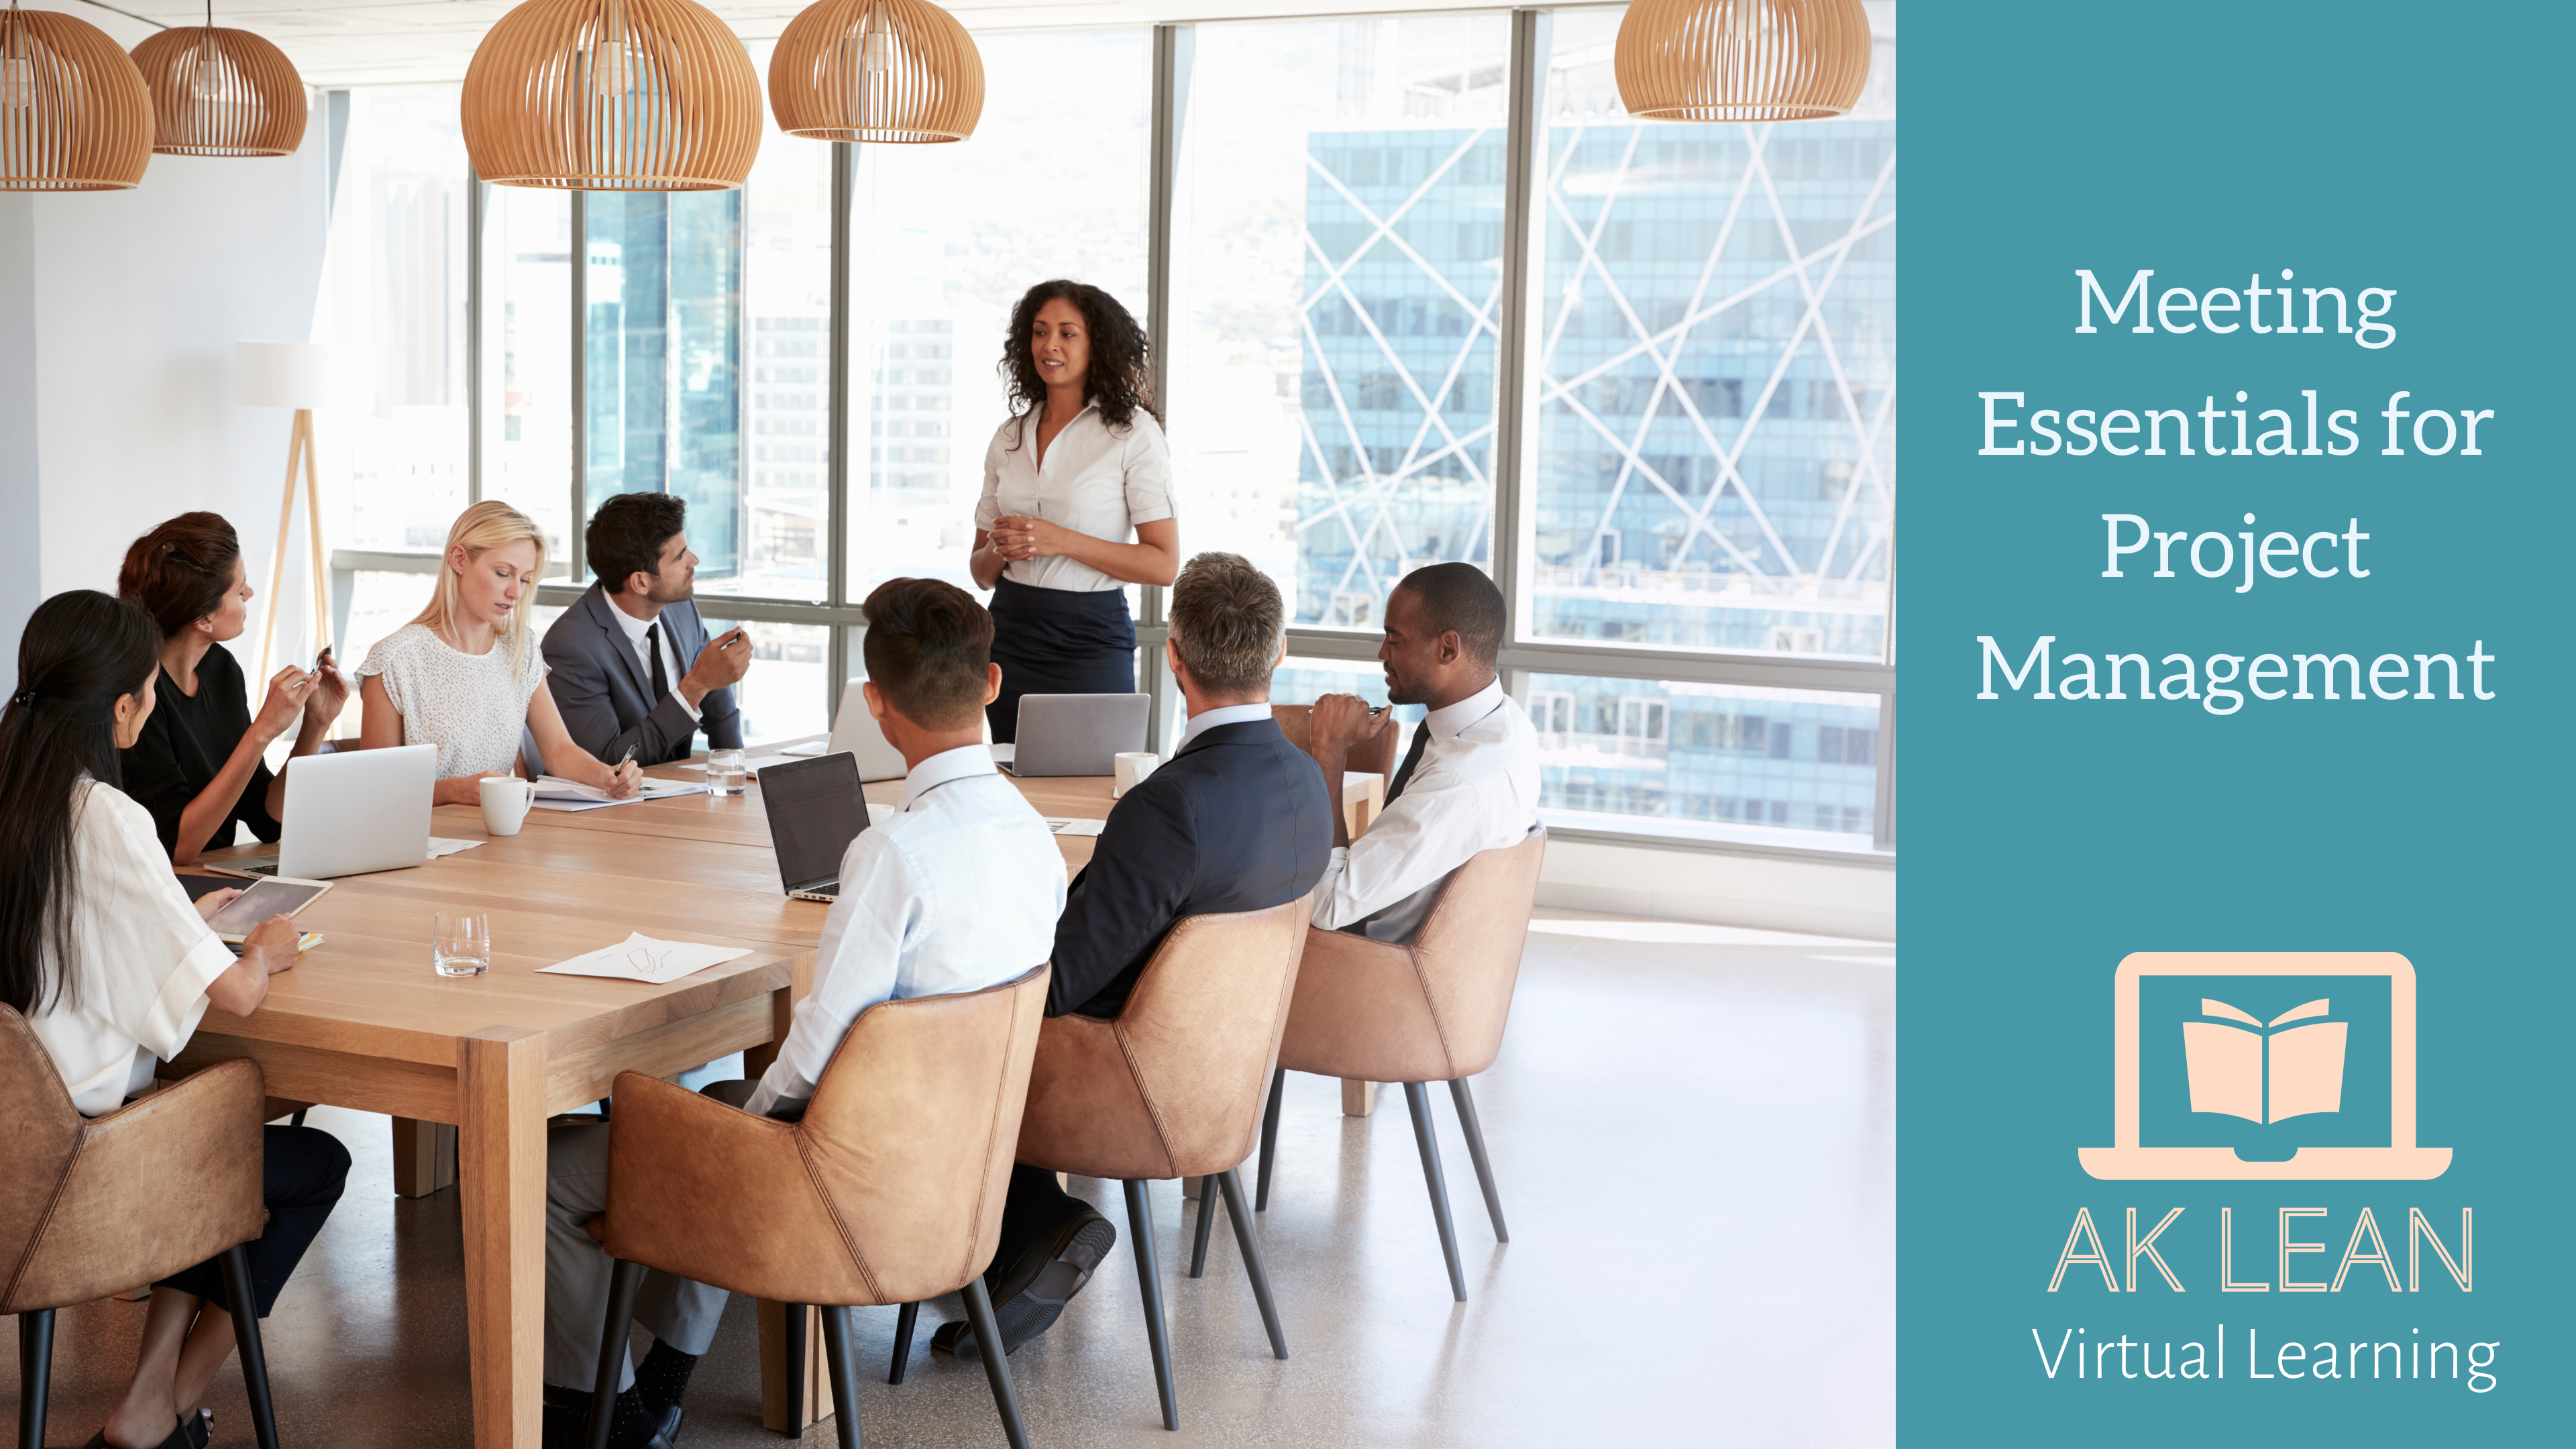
column 299, row 454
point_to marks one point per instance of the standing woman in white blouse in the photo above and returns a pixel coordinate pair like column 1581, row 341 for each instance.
column 464, row 675
column 112, row 966
column 1080, row 467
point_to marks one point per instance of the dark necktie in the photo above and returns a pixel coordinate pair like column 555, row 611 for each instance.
column 1412, row 757
column 653, row 651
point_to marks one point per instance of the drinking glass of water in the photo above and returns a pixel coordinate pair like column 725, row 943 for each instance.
column 460, row 943
column 726, row 773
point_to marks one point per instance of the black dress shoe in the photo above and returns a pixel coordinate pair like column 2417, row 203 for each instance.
column 666, row 1425
column 1038, row 1285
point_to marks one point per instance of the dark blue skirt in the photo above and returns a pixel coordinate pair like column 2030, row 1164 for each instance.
column 1058, row 641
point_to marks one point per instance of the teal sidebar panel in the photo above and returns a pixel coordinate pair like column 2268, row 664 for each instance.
column 2233, row 1093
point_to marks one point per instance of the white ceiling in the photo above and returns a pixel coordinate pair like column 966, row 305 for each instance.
column 395, row 41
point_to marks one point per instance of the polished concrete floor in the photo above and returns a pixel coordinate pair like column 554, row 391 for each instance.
column 1693, row 1129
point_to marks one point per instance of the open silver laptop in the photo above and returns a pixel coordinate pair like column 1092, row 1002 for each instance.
column 1077, row 734
column 351, row 812
column 815, row 810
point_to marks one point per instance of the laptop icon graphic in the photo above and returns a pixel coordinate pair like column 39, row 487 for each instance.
column 2264, row 1066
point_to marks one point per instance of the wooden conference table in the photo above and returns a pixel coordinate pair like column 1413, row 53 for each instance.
column 363, row 1022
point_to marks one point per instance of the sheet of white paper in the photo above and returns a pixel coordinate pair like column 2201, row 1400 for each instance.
column 440, row 845
column 1074, row 827
column 560, row 794
column 642, row 958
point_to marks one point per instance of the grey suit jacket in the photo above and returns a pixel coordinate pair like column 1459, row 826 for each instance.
column 605, row 697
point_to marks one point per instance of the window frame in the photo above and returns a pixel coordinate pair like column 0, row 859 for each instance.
column 1522, row 653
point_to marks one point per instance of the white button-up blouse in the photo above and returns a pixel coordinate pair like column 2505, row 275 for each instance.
column 144, row 957
column 1097, row 479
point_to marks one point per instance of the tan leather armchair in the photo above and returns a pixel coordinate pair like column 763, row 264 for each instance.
column 91, row 1206
column 889, row 1190
column 1432, row 1011
column 1172, row 1088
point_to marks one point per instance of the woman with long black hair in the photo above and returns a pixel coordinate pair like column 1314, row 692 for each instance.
column 112, row 966
column 1080, row 466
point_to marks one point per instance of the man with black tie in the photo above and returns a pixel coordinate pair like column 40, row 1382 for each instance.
column 1238, row 820
column 614, row 660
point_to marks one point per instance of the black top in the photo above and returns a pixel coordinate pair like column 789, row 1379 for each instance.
column 1239, row 821
column 185, row 743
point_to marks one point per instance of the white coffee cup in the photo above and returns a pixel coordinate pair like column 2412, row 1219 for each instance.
column 505, row 803
column 1130, row 768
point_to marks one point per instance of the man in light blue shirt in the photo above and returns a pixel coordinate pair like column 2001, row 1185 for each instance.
column 958, row 891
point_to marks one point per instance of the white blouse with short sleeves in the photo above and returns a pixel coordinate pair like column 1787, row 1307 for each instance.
column 1097, row 479
column 142, row 956
column 472, row 706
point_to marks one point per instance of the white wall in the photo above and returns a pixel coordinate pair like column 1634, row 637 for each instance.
column 1727, row 890
column 138, row 298
column 20, row 546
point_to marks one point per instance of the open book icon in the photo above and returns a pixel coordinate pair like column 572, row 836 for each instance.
column 2233, row 1060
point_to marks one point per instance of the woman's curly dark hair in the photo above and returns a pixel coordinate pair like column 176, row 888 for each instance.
column 1118, row 381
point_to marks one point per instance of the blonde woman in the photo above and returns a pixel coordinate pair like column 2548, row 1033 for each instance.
column 464, row 675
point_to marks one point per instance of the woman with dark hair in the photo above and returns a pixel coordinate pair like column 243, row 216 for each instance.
column 197, row 765
column 112, row 966
column 1080, row 465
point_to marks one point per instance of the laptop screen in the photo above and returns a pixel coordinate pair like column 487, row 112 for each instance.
column 815, row 810
column 2263, row 1064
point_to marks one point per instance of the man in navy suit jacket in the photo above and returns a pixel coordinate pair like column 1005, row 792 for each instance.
column 630, row 663
column 1239, row 820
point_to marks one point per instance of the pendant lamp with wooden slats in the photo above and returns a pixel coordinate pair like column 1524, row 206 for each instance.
column 73, row 112
column 221, row 93
column 612, row 95
column 1742, row 60
column 876, row 70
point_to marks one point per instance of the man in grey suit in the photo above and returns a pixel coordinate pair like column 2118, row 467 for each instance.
column 615, row 658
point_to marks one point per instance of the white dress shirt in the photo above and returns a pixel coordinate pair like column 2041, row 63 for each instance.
column 1475, row 789
column 143, row 958
column 636, row 629
column 957, row 892
column 1208, row 719
column 1098, row 480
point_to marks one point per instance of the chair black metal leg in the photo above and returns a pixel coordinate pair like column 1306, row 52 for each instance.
column 623, row 1279
column 903, row 1323
column 1418, row 1101
column 791, row 1328
column 1269, row 1140
column 843, row 1365
column 997, row 1367
column 1475, row 1130
column 298, row 1119
column 1149, row 1281
column 245, row 1310
column 1207, row 1220
column 35, row 1374
column 1233, row 1188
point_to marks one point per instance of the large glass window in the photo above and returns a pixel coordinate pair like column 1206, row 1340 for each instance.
column 787, row 291
column 1337, row 280
column 1715, row 442
column 394, row 301
column 527, row 358
column 946, row 238
column 662, row 356
column 1705, row 759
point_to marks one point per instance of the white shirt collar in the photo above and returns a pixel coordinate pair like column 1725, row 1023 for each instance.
column 633, row 626
column 1227, row 714
column 1445, row 723
column 942, row 768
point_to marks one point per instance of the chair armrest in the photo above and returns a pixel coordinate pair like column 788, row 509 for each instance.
column 161, row 1184
column 1361, row 1012
column 717, row 1194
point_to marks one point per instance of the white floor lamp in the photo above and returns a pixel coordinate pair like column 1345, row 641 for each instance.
column 290, row 375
